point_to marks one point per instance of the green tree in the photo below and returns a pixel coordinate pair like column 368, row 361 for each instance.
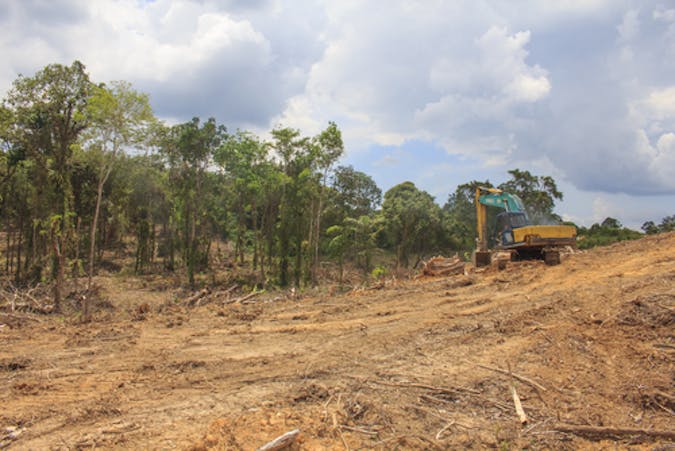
column 611, row 223
column 356, row 194
column 460, row 215
column 189, row 150
column 242, row 156
column 667, row 224
column 119, row 117
column 650, row 228
column 49, row 115
column 607, row 232
column 411, row 220
column 327, row 148
column 147, row 203
column 538, row 193
column 355, row 238
column 298, row 183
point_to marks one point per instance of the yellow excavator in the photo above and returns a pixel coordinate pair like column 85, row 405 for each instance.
column 514, row 233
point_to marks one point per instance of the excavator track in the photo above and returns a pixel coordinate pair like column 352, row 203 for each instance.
column 551, row 257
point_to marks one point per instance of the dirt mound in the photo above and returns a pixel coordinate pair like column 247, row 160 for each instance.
column 431, row 363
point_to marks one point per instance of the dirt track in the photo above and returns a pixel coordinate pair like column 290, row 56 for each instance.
column 395, row 368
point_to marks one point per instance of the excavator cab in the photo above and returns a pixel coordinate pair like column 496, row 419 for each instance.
column 505, row 223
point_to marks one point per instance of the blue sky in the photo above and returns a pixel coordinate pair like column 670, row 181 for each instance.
column 435, row 92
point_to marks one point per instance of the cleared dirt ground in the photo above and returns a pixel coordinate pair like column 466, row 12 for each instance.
column 408, row 366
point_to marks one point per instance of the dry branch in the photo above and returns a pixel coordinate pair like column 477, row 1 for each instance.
column 197, row 296
column 515, row 376
column 430, row 387
column 23, row 300
column 242, row 299
column 281, row 442
column 248, row 297
column 604, row 432
column 445, row 428
column 228, row 291
column 361, row 430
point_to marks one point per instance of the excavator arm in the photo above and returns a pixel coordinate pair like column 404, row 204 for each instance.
column 481, row 256
column 493, row 197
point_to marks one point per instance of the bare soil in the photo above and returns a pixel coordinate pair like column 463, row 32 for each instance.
column 408, row 366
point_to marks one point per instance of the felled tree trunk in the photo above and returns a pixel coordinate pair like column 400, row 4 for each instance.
column 441, row 266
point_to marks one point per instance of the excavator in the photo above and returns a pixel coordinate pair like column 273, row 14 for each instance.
column 514, row 233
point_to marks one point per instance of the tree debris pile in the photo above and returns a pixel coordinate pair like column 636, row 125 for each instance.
column 442, row 266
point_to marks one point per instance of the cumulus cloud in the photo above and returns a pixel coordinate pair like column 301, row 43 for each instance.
column 584, row 86
column 629, row 27
column 576, row 84
column 196, row 58
column 389, row 79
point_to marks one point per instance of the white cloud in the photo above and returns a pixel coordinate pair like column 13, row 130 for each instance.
column 193, row 57
column 585, row 85
column 630, row 26
column 663, row 163
column 605, row 208
column 661, row 103
column 664, row 15
column 380, row 79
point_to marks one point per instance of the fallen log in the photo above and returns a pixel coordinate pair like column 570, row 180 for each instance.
column 441, row 266
column 281, row 442
column 605, row 432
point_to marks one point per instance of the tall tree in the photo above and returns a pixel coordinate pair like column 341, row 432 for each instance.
column 189, row 149
column 412, row 220
column 50, row 113
column 356, row 238
column 296, row 157
column 356, row 194
column 329, row 147
column 119, row 118
column 242, row 155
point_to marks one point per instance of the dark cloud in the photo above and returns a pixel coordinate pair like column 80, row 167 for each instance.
column 237, row 96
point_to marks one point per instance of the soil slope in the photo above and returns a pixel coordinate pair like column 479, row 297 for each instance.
column 413, row 365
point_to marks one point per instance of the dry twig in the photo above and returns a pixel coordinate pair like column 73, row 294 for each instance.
column 445, row 428
column 515, row 376
column 604, row 432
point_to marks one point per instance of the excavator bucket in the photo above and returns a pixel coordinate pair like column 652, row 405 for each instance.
column 480, row 258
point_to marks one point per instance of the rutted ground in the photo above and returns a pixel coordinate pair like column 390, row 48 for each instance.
column 401, row 367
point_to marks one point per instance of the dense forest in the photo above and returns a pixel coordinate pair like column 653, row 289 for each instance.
column 90, row 175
